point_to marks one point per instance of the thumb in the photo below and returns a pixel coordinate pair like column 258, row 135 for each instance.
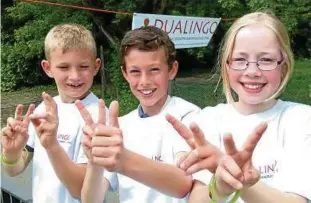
column 113, row 114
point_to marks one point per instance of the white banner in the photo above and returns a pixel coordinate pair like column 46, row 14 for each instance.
column 185, row 32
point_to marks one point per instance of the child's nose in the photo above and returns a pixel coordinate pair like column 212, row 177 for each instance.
column 145, row 79
column 252, row 70
column 74, row 74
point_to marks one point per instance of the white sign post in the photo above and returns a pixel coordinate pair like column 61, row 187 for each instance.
column 185, row 32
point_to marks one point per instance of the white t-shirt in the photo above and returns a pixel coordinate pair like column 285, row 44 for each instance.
column 46, row 187
column 154, row 138
column 282, row 156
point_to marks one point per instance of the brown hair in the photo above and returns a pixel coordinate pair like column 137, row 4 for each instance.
column 148, row 38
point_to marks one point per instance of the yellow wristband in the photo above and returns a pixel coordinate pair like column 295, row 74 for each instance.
column 5, row 161
column 212, row 192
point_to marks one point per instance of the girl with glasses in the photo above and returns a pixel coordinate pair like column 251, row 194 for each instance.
column 256, row 63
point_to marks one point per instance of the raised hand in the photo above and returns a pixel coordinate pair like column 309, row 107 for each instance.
column 90, row 125
column 15, row 135
column 104, row 144
column 107, row 145
column 235, row 170
column 204, row 155
column 46, row 123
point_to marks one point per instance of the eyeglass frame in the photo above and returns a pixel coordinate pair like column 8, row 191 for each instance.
column 257, row 64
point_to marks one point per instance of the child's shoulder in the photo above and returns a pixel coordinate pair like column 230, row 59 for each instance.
column 219, row 109
column 180, row 108
column 294, row 110
column 133, row 115
column 179, row 102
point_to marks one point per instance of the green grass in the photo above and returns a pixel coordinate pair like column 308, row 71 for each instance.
column 299, row 87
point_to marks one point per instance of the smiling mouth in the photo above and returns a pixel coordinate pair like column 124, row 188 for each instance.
column 75, row 86
column 253, row 88
column 147, row 92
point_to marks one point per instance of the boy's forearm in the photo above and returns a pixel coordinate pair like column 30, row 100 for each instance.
column 69, row 173
column 165, row 178
column 22, row 162
column 95, row 186
column 262, row 193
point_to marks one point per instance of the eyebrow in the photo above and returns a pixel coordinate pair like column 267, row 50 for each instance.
column 259, row 54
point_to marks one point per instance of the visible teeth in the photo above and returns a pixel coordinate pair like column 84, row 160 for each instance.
column 146, row 91
column 253, row 86
column 74, row 85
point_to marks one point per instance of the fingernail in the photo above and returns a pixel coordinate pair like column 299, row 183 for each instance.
column 182, row 165
column 239, row 186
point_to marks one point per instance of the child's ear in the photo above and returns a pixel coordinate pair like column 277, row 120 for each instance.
column 173, row 71
column 47, row 68
column 98, row 62
column 124, row 72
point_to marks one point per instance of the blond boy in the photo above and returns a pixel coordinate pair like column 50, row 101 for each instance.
column 52, row 140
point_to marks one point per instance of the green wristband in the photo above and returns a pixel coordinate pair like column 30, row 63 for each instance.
column 212, row 190
column 7, row 163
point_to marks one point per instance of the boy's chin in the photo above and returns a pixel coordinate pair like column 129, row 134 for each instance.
column 73, row 97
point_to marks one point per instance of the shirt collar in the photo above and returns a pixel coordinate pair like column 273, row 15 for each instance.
column 141, row 112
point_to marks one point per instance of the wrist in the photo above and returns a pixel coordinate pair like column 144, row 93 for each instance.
column 217, row 196
column 53, row 147
column 95, row 168
column 12, row 163
column 125, row 158
column 12, row 157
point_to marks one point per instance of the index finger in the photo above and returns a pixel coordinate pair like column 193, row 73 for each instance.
column 102, row 112
column 251, row 142
column 113, row 114
column 19, row 112
column 182, row 130
column 84, row 113
column 30, row 110
column 198, row 135
column 50, row 104
column 229, row 144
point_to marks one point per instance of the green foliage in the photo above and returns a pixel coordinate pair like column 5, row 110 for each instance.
column 24, row 26
column 22, row 48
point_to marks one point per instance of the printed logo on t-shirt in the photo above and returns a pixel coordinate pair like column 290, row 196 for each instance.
column 64, row 137
column 268, row 170
column 157, row 158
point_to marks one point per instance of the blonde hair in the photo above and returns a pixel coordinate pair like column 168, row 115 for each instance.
column 69, row 36
column 270, row 21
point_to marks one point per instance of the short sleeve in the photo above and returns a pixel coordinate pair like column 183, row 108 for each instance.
column 112, row 178
column 32, row 136
column 295, row 171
